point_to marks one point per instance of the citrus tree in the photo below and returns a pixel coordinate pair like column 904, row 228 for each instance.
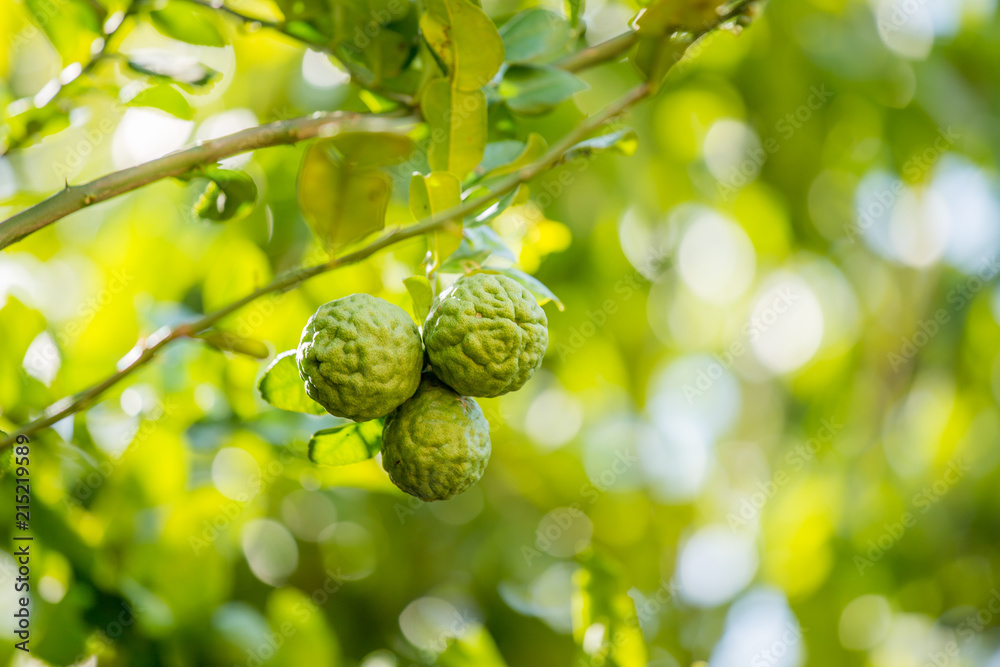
column 451, row 116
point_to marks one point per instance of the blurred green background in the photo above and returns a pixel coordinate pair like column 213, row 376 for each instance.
column 766, row 431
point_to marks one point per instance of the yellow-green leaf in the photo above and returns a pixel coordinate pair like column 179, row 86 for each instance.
column 341, row 202
column 465, row 40
column 368, row 150
column 458, row 130
column 346, row 444
column 533, row 149
column 188, row 23
column 436, row 192
column 422, row 295
column 282, row 387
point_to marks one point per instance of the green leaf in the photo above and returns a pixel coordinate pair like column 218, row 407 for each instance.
column 534, row 89
column 499, row 207
column 473, row 646
column 465, row 40
column 71, row 26
column 346, row 444
column 479, row 244
column 436, row 192
column 422, row 295
column 667, row 16
column 223, row 340
column 229, row 195
column 188, row 23
column 537, row 288
column 164, row 97
column 458, row 129
column 340, row 202
column 531, row 151
column 655, row 56
column 623, row 141
column 282, row 387
column 535, row 35
column 370, row 150
column 574, row 11
column 166, row 65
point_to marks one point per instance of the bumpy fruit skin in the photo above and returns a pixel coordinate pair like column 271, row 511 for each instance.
column 437, row 444
column 360, row 357
column 486, row 336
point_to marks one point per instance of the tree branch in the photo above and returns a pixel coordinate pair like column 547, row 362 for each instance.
column 73, row 198
column 146, row 350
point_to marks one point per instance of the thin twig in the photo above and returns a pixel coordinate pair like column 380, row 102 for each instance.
column 146, row 350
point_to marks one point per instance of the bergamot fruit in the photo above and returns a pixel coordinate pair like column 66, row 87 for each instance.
column 360, row 357
column 436, row 445
column 486, row 335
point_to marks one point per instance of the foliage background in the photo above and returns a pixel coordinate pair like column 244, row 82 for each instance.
column 824, row 493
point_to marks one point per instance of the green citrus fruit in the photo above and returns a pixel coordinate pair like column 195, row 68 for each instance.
column 436, row 444
column 486, row 335
column 360, row 357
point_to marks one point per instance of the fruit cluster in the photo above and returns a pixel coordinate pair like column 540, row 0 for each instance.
column 363, row 358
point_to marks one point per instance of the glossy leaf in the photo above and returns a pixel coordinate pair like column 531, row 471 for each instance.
column 422, row 295
column 458, row 129
column 532, row 89
column 229, row 195
column 655, row 56
column 479, row 244
column 164, row 97
column 346, row 444
column 282, row 387
column 666, row 16
column 340, row 202
column 189, row 23
column 535, row 35
column 465, row 40
column 499, row 206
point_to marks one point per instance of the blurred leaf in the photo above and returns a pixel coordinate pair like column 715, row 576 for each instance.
column 189, row 23
column 229, row 195
column 170, row 66
column 369, row 150
column 458, row 129
column 535, row 35
column 535, row 89
column 533, row 149
column 71, row 26
column 341, row 203
column 654, row 56
column 465, row 40
column 623, row 141
column 282, row 387
column 164, row 97
column 574, row 10
column 346, row 444
column 475, row 647
column 422, row 295
column 478, row 245
column 666, row 16
column 542, row 293
column 223, row 340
